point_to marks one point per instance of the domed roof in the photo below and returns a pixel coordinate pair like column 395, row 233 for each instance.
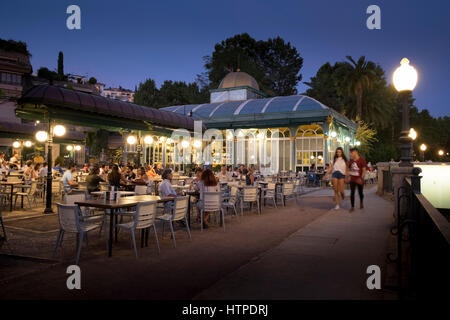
column 238, row 79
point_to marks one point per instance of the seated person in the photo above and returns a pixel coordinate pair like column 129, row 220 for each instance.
column 151, row 173
column 115, row 178
column 222, row 175
column 67, row 180
column 208, row 183
column 58, row 168
column 165, row 187
column 93, row 180
column 143, row 179
column 166, row 190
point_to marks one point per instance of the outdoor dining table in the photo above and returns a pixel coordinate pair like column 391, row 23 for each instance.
column 121, row 193
column 12, row 185
column 114, row 206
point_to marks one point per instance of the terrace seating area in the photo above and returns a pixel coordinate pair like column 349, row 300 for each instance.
column 141, row 208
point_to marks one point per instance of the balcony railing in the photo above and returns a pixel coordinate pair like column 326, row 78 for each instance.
column 423, row 244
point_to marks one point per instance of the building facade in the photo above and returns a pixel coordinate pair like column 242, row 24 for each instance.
column 283, row 133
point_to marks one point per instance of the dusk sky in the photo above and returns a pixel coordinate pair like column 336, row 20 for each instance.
column 125, row 42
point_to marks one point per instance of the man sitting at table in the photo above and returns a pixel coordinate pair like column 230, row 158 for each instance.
column 222, row 176
column 93, row 180
column 158, row 169
column 165, row 187
column 166, row 190
column 67, row 179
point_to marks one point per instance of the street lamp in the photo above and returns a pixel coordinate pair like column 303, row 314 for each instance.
column 405, row 80
column 148, row 139
column 42, row 136
column 16, row 144
column 423, row 148
column 441, row 152
column 412, row 134
column 28, row 144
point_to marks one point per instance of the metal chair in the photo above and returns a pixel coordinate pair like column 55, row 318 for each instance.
column 232, row 200
column 211, row 202
column 143, row 219
column 72, row 220
column 270, row 193
column 250, row 196
column 179, row 212
column 287, row 191
column 30, row 193
column 2, row 223
column 140, row 190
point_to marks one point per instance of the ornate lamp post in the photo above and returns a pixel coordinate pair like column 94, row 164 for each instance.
column 43, row 136
column 405, row 80
column 423, row 148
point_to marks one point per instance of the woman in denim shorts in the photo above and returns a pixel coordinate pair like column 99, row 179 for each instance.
column 339, row 170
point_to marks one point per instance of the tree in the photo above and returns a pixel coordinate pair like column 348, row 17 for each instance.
column 45, row 73
column 147, row 94
column 92, row 80
column 281, row 63
column 17, row 46
column 274, row 64
column 61, row 66
column 324, row 87
column 359, row 79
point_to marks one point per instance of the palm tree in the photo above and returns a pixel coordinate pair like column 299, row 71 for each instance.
column 358, row 79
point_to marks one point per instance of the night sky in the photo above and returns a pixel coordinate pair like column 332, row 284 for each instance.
column 125, row 42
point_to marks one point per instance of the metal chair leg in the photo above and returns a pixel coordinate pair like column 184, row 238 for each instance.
column 80, row 244
column 173, row 234
column 57, row 244
column 156, row 238
column 133, row 240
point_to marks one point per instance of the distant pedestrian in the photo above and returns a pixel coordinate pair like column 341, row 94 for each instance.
column 357, row 171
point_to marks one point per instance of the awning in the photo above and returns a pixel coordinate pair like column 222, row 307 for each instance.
column 15, row 130
column 93, row 110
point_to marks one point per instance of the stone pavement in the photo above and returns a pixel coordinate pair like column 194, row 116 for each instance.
column 327, row 259
column 302, row 251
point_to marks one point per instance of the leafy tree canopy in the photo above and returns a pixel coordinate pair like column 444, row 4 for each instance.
column 274, row 64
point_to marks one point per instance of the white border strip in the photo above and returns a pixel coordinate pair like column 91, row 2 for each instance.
column 267, row 105
column 298, row 102
column 215, row 109
column 242, row 105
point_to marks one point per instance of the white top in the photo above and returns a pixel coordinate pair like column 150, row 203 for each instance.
column 339, row 165
column 165, row 189
column 65, row 179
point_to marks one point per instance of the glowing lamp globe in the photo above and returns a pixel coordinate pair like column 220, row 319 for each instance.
column 412, row 134
column 423, row 147
column 358, row 143
column 162, row 139
column 441, row 152
column 405, row 77
column 69, row 148
column 16, row 144
column 197, row 144
column 333, row 134
column 59, row 130
column 28, row 144
column 148, row 139
column 41, row 136
column 77, row 148
column 185, row 143
column 131, row 139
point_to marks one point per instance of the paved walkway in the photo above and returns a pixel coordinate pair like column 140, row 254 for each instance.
column 303, row 251
column 327, row 259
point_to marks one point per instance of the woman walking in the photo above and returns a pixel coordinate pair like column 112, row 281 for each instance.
column 339, row 170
